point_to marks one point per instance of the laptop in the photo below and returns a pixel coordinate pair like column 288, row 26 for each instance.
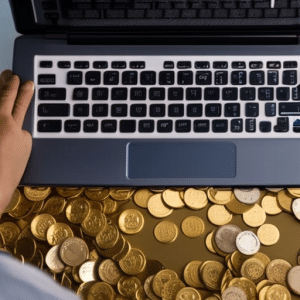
column 161, row 93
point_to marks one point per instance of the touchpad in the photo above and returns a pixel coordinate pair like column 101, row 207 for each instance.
column 181, row 160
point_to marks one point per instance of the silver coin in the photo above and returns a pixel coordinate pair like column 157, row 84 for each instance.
column 234, row 293
column 87, row 271
column 247, row 243
column 274, row 190
column 293, row 279
column 296, row 208
column 225, row 237
column 247, row 196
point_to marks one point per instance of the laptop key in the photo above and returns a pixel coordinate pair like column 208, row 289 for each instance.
column 220, row 65
column 127, row 126
column 185, row 77
column 291, row 64
column 266, row 94
column 100, row 65
column 129, row 78
column 148, row 78
column 220, row 125
column 100, row 110
column 166, row 78
column 255, row 64
column 138, row 94
column 52, row 94
column 64, row 64
column 175, row 94
column 81, row 65
column 46, row 64
column 237, row 13
column 221, row 78
column 193, row 94
column 270, row 109
column 146, row 126
column 194, row 110
column 247, row 93
column 236, row 125
column 213, row 110
column 238, row 78
column 49, row 125
column 296, row 93
column 203, row 77
column 201, row 125
column 238, row 65
column 100, row 94
column 251, row 110
column 119, row 94
column 202, row 65
column 157, row 110
column 46, row 79
column 138, row 110
column 157, row 94
column 137, row 65
column 232, row 110
column 265, row 126
column 176, row 110
column 74, row 77
column 229, row 94
column 282, row 124
column 81, row 110
column 72, row 126
column 119, row 110
column 90, row 126
column 109, row 126
column 118, row 65
column 272, row 77
column 111, row 78
column 184, row 65
column 289, row 109
column 183, row 125
column 54, row 110
column 80, row 94
column 289, row 77
column 274, row 64
column 283, row 93
column 211, row 94
column 169, row 65
column 257, row 78
column 92, row 78
column 164, row 125
column 250, row 125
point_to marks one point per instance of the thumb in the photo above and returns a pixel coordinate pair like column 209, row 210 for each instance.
column 28, row 139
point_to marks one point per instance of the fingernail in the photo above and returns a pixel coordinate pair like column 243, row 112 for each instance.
column 30, row 84
column 7, row 75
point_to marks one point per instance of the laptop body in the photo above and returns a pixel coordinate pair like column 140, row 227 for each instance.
column 135, row 159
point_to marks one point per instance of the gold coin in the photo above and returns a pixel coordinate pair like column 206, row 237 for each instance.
column 109, row 206
column 74, row 251
column 268, row 234
column 54, row 206
column 134, row 262
column 141, row 197
column 226, row 279
column 148, row 288
column 121, row 194
column 77, row 210
column 263, row 258
column 108, row 236
column 191, row 274
column 171, row 289
column 69, row 192
column 188, row 293
column 195, row 199
column 262, row 284
column 237, row 207
column 157, row 208
column 128, row 285
column 208, row 242
column 192, row 226
column 101, row 291
column 14, row 202
column 219, row 215
column 160, row 279
column 94, row 222
column 274, row 190
column 10, row 232
column 166, row 231
column 294, row 192
column 36, row 193
column 234, row 293
column 277, row 271
column 270, row 206
column 263, row 292
column 87, row 271
column 40, row 224
column 96, row 194
column 246, row 285
column 53, row 261
column 219, row 196
column 285, row 201
column 172, row 198
column 84, row 288
column 278, row 291
column 23, row 208
column 253, row 269
column 58, row 232
column 109, row 272
column 37, row 207
column 211, row 274
column 255, row 217
column 140, row 294
column 131, row 221
column 123, row 253
column 25, row 247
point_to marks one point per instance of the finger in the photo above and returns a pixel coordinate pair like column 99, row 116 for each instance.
column 8, row 92
column 22, row 102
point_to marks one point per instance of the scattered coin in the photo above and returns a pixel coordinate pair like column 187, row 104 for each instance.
column 294, row 191
column 274, row 190
column 191, row 274
column 234, row 293
column 188, row 293
column 128, row 285
column 109, row 272
column 247, row 243
column 225, row 237
column 9, row 232
column 268, row 234
column 172, row 198
column 101, row 291
column 58, row 232
column 195, row 199
column 134, row 262
column 253, row 269
column 87, row 271
column 131, row 221
column 108, row 236
column 36, row 193
column 277, row 271
column 171, row 289
column 166, row 231
column 192, row 226
column 141, row 197
column 160, row 279
column 40, row 224
column 208, row 242
column 219, row 196
column 211, row 274
column 94, row 222
column 296, row 208
column 255, row 217
column 285, row 200
column 14, row 202
column 270, row 206
column 53, row 261
column 247, row 196
column 219, row 215
column 278, row 291
column 157, row 208
column 77, row 210
column 293, row 279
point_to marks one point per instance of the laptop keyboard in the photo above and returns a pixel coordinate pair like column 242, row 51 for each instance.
column 166, row 97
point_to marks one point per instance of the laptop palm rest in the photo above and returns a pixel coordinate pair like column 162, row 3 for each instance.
column 181, row 160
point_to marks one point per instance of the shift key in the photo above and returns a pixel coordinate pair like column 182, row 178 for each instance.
column 289, row 109
column 54, row 110
column 52, row 94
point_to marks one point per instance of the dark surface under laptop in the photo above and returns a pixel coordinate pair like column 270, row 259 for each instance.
column 151, row 162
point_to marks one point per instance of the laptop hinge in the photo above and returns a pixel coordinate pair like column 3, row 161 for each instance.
column 143, row 38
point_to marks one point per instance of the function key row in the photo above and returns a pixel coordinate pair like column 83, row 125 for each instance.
column 164, row 126
column 170, row 64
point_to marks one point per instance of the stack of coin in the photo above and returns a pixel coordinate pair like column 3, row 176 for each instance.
column 74, row 235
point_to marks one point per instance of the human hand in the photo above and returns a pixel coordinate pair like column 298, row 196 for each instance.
column 15, row 143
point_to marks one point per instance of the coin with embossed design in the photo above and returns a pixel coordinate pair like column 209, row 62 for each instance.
column 101, row 291
column 134, row 262
column 10, row 232
column 128, row 285
column 109, row 272
column 188, row 293
column 131, row 221
column 94, row 222
column 87, row 271
column 77, row 210
column 277, row 271
column 58, row 232
column 40, row 224
column 192, row 226
column 108, row 236
column 171, row 289
column 166, row 231
column 36, row 193
column 161, row 278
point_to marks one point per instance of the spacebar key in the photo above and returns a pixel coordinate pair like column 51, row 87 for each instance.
column 54, row 110
column 289, row 109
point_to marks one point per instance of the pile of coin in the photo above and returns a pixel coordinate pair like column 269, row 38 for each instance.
column 77, row 235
